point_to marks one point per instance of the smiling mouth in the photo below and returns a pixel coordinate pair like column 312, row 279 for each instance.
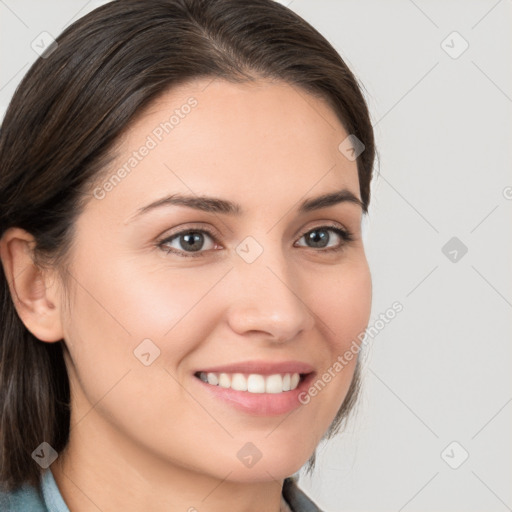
column 253, row 382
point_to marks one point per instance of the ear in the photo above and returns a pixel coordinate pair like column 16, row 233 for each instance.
column 33, row 290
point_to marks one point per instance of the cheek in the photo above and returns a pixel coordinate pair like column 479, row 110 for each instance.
column 120, row 304
column 343, row 300
column 116, row 309
column 343, row 303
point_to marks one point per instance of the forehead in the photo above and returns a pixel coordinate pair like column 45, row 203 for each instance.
column 262, row 139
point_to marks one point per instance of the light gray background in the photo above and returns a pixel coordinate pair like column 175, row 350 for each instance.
column 441, row 370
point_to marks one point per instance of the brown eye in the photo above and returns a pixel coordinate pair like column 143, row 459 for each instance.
column 188, row 241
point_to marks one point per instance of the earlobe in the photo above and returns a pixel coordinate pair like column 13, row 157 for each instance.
column 33, row 290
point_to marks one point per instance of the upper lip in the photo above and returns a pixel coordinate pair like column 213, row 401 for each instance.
column 261, row 367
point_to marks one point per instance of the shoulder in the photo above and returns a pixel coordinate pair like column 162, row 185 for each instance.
column 296, row 498
column 27, row 498
column 23, row 499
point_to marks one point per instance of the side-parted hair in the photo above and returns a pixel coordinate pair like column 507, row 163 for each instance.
column 59, row 132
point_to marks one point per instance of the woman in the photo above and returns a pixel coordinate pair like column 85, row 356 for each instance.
column 182, row 189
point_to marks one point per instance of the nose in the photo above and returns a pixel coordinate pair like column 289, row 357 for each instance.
column 269, row 299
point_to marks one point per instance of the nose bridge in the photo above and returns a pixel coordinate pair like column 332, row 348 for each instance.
column 266, row 293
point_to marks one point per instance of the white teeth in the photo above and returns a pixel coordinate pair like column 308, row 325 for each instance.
column 256, row 383
column 239, row 382
column 274, row 384
column 224, row 380
column 253, row 383
column 212, row 378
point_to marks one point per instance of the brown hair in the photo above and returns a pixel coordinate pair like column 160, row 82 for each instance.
column 59, row 132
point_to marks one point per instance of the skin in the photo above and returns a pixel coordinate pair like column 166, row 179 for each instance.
column 148, row 437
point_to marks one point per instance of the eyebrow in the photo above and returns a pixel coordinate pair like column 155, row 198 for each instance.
column 218, row 205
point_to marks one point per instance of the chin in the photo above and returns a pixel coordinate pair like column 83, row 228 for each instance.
column 276, row 467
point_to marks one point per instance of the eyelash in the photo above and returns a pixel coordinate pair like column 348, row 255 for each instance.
column 344, row 234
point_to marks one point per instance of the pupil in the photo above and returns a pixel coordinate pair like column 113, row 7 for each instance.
column 190, row 239
column 318, row 239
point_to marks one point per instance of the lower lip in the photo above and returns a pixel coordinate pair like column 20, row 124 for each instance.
column 262, row 404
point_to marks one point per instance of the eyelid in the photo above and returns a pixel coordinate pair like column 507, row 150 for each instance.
column 322, row 224
column 216, row 234
column 194, row 226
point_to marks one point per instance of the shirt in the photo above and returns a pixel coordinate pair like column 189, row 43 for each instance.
column 28, row 499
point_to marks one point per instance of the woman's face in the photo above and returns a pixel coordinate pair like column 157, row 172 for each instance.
column 160, row 294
